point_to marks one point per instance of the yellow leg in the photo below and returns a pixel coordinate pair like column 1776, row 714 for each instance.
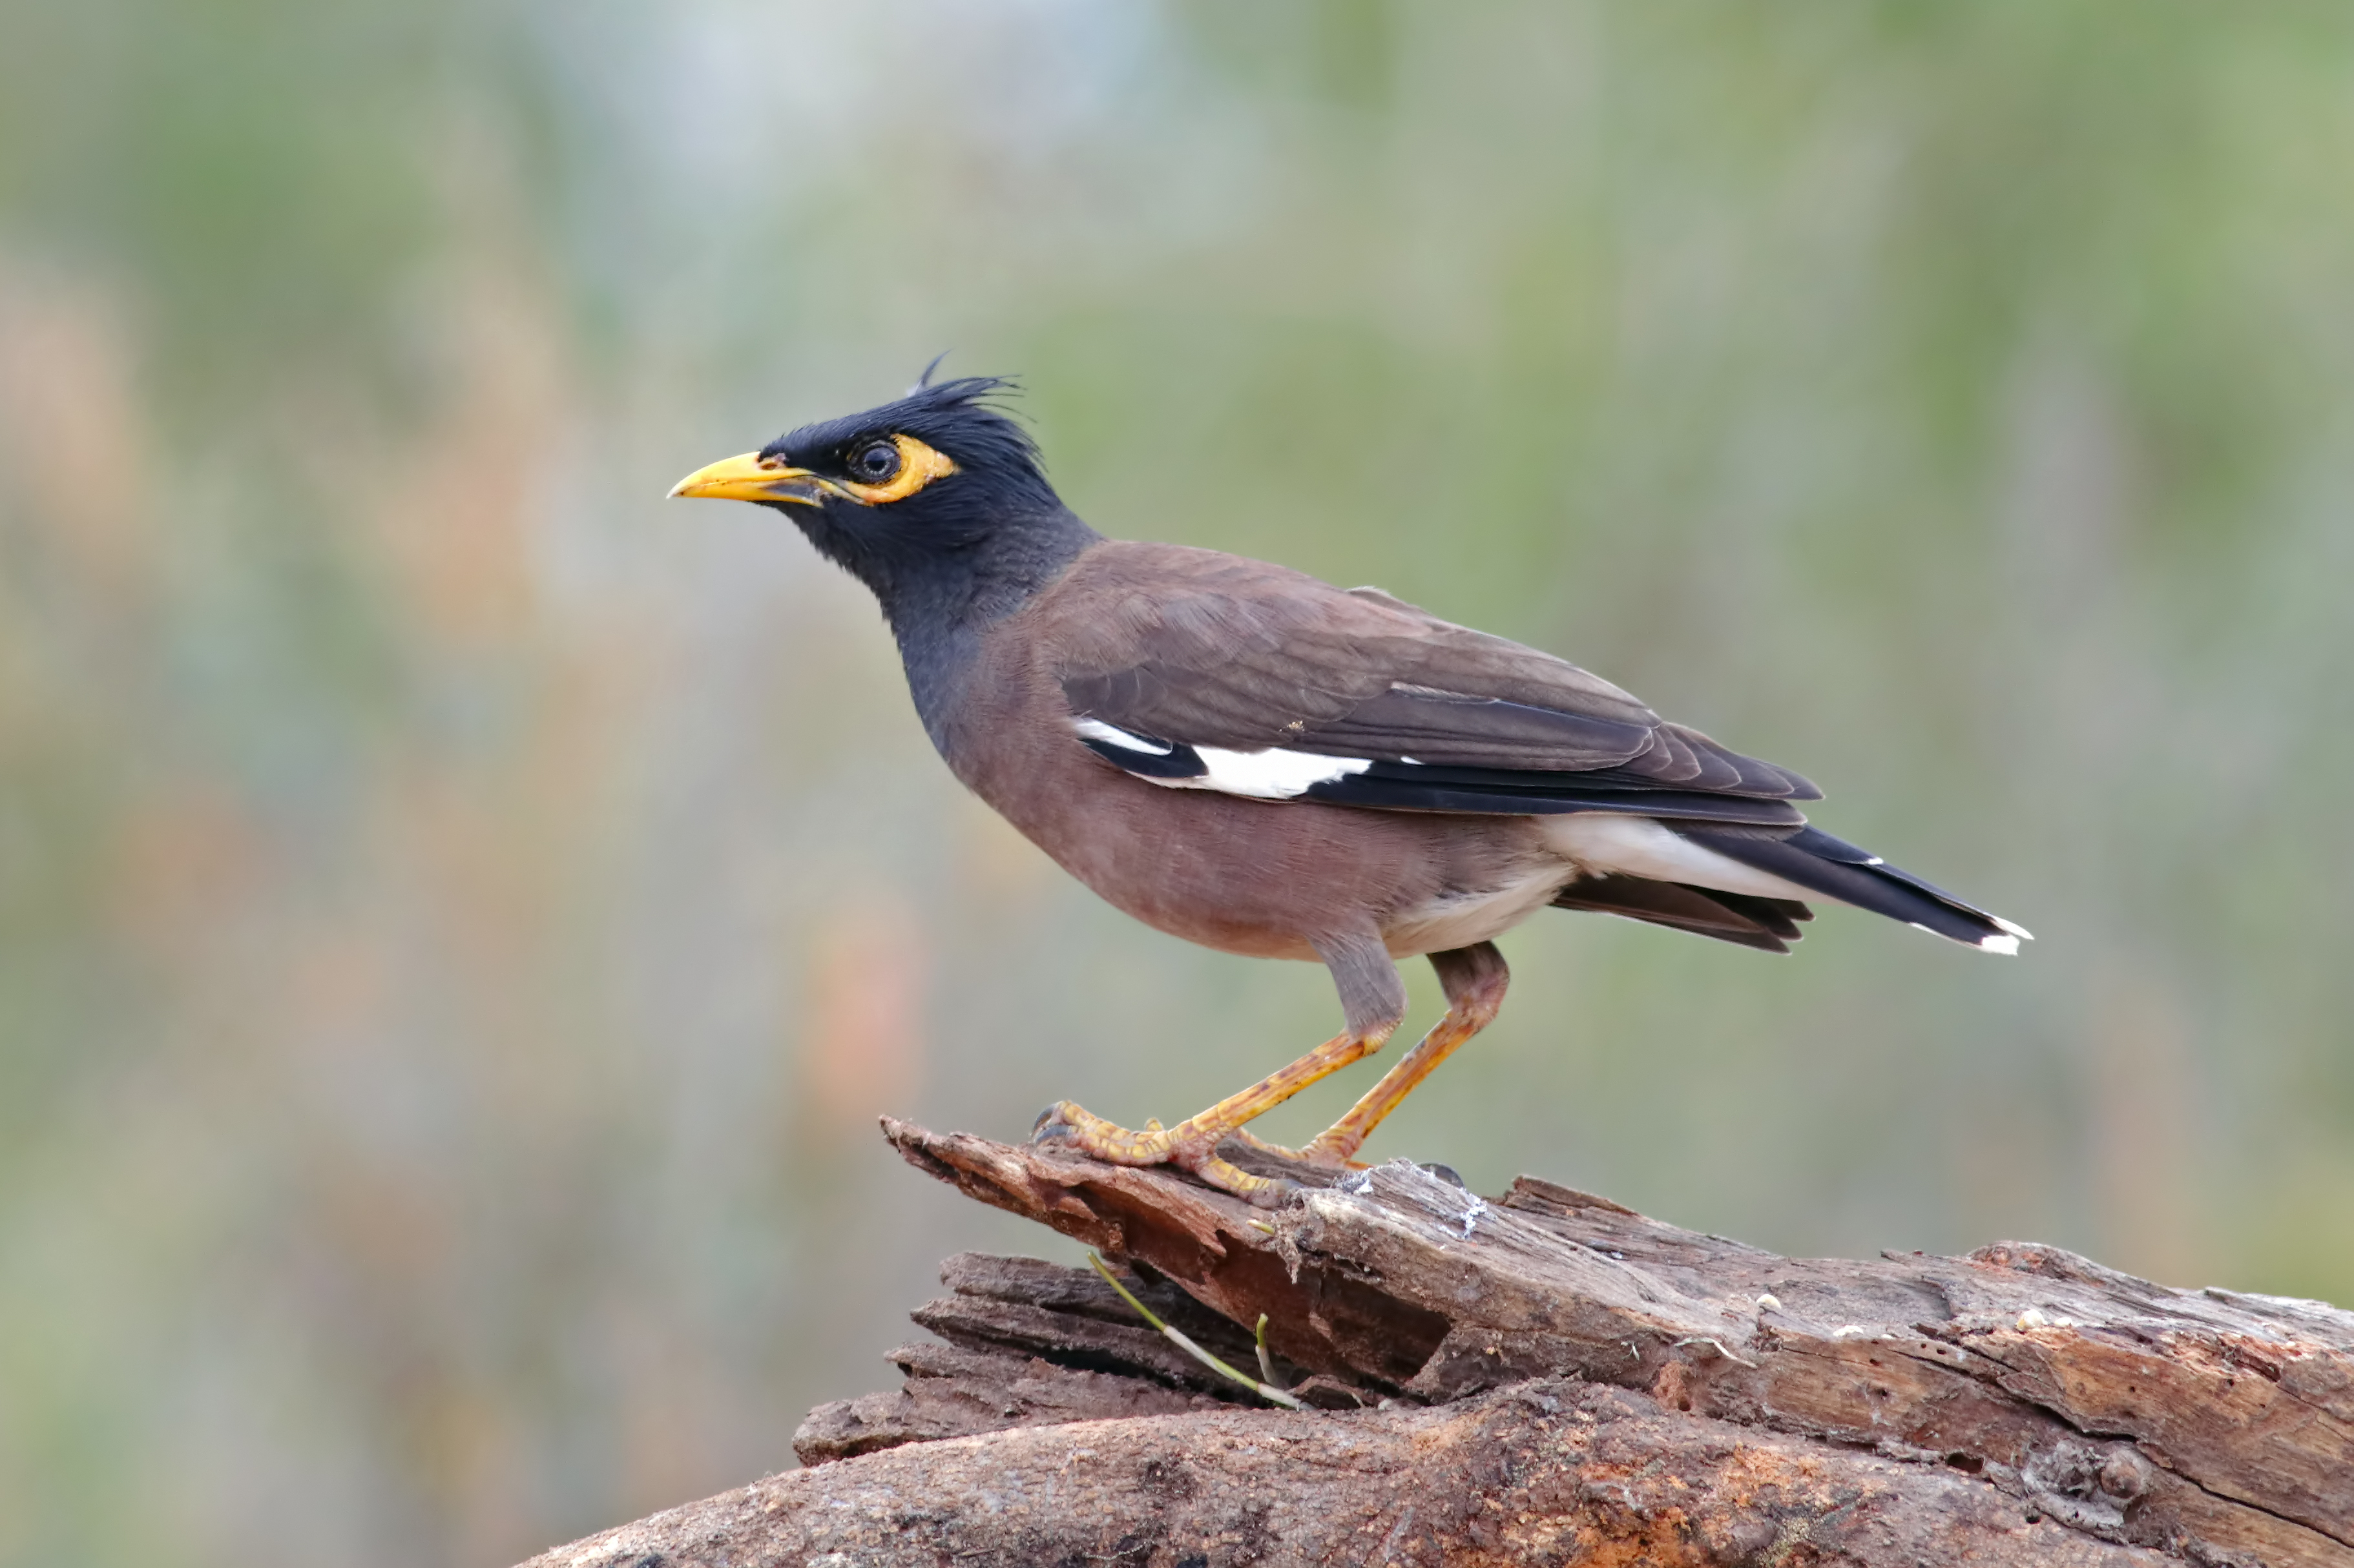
column 1474, row 979
column 1192, row 1144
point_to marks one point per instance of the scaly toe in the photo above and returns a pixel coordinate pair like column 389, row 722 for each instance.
column 1250, row 1139
column 1077, row 1127
column 1259, row 1191
column 1332, row 1155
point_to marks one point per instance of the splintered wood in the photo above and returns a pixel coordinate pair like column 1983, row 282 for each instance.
column 1544, row 1377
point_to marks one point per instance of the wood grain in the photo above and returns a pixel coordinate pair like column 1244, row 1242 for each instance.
column 1545, row 1376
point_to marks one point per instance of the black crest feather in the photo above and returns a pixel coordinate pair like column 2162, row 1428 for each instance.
column 965, row 417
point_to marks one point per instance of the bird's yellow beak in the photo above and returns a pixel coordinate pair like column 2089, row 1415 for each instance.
column 752, row 477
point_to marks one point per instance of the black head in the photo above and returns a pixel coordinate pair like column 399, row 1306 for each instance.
column 936, row 501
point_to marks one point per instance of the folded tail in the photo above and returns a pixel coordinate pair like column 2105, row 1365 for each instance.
column 1814, row 860
column 1809, row 859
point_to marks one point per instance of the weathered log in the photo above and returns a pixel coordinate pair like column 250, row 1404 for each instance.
column 1544, row 1377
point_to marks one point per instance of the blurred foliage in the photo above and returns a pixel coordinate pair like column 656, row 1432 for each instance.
column 458, row 917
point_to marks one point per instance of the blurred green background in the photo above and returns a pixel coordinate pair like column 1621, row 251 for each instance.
column 460, row 915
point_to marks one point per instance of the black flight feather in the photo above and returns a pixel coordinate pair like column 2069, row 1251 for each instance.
column 1816, row 860
column 1488, row 792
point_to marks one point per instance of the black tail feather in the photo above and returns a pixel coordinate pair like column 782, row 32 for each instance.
column 1816, row 860
column 1769, row 925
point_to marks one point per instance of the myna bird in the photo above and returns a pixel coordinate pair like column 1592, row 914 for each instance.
column 1254, row 760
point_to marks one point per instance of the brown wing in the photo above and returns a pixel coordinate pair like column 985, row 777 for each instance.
column 1191, row 649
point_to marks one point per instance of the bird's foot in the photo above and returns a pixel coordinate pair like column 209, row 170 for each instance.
column 1337, row 1153
column 1191, row 1145
column 1065, row 1122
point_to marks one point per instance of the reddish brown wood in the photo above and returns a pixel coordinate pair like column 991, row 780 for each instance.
column 1553, row 1471
column 1547, row 1377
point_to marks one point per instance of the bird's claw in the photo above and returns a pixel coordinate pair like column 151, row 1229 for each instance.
column 1315, row 1152
column 1185, row 1146
column 1272, row 1192
column 1079, row 1127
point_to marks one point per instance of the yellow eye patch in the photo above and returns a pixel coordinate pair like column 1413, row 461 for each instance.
column 918, row 466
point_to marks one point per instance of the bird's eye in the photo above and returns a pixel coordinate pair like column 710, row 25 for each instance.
column 885, row 469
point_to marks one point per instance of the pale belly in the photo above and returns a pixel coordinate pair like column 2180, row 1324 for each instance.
column 1464, row 919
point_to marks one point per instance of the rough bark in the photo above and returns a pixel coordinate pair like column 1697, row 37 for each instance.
column 1542, row 1377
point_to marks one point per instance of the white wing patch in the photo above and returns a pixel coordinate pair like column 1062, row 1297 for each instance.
column 1272, row 775
column 1096, row 729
